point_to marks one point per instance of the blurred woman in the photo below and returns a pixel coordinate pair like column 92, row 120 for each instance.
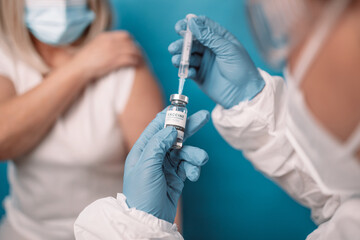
column 73, row 100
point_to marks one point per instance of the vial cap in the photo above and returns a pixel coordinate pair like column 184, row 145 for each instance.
column 179, row 97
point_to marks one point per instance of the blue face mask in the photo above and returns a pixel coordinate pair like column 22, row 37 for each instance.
column 58, row 25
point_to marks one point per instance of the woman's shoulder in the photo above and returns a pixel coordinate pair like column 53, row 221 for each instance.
column 122, row 77
column 121, row 83
column 126, row 73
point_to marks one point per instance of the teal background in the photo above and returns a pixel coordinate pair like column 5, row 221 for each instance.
column 231, row 200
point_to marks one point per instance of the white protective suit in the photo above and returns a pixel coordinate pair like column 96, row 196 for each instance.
column 258, row 128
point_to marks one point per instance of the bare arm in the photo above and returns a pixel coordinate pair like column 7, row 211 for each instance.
column 144, row 103
column 25, row 119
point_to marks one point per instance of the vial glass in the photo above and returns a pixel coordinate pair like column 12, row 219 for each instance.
column 176, row 116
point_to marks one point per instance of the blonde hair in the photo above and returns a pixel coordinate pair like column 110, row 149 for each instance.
column 16, row 38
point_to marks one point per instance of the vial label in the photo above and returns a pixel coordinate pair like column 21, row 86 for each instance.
column 178, row 120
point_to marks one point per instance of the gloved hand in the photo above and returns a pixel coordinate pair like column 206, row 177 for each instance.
column 154, row 176
column 219, row 63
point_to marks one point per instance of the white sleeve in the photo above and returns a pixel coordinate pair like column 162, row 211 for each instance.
column 258, row 128
column 112, row 219
column 344, row 225
column 123, row 84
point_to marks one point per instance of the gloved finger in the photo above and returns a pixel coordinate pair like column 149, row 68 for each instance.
column 157, row 147
column 195, row 60
column 192, row 172
column 190, row 159
column 209, row 38
column 176, row 47
column 214, row 26
column 187, row 170
column 193, row 155
column 192, row 73
column 174, row 182
column 217, row 28
column 181, row 171
column 158, row 123
column 180, row 26
column 195, row 122
column 155, row 126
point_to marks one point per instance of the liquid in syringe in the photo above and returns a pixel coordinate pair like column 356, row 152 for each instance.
column 185, row 55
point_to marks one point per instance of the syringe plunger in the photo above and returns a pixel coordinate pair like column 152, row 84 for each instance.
column 185, row 54
column 186, row 50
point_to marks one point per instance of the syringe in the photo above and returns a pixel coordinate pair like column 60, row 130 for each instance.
column 185, row 55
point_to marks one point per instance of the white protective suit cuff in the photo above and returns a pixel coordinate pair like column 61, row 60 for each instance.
column 344, row 224
column 146, row 218
column 251, row 120
column 257, row 127
column 111, row 218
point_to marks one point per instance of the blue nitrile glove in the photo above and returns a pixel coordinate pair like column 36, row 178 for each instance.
column 154, row 176
column 219, row 63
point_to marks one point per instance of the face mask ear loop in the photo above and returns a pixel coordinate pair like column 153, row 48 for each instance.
column 322, row 30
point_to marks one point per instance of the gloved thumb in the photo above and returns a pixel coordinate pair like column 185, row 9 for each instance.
column 159, row 145
column 192, row 172
column 208, row 37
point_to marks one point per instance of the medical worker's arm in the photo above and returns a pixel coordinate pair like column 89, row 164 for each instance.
column 257, row 127
column 251, row 110
column 153, row 182
column 25, row 119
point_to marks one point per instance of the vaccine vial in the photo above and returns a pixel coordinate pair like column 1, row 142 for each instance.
column 176, row 116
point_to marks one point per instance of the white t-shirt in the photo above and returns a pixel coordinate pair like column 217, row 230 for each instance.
column 80, row 160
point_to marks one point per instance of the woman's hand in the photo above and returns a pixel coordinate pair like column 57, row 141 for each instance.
column 107, row 52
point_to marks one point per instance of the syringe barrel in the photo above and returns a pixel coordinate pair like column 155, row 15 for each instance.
column 186, row 50
column 183, row 70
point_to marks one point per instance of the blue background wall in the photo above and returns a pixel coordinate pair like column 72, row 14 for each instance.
column 231, row 200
